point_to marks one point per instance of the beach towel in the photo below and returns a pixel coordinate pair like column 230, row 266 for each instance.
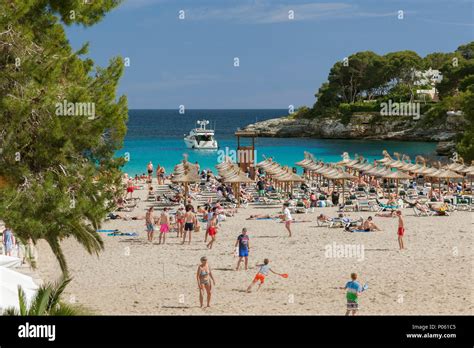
column 360, row 231
column 132, row 234
column 107, row 230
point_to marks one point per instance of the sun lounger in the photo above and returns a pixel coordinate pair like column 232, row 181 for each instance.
column 349, row 206
column 419, row 212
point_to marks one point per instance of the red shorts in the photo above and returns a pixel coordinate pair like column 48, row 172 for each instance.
column 129, row 189
column 212, row 231
column 401, row 231
column 259, row 277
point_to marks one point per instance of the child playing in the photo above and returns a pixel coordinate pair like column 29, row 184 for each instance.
column 354, row 289
column 262, row 273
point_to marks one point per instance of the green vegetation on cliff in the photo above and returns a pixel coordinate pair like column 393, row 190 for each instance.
column 365, row 80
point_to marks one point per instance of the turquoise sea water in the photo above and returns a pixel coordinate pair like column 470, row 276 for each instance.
column 157, row 136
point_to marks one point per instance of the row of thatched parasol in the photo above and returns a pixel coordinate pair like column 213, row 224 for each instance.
column 404, row 168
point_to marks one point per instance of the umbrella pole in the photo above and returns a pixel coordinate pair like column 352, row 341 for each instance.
column 343, row 191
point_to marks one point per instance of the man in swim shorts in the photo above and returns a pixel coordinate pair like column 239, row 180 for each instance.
column 164, row 225
column 244, row 247
column 401, row 230
column 150, row 228
column 190, row 221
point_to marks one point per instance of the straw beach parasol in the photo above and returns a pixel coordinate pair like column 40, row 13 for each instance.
column 343, row 176
column 398, row 175
column 444, row 174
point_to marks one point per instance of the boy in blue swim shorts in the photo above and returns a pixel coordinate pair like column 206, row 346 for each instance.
column 244, row 247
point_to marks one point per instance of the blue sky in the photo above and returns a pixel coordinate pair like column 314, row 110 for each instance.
column 282, row 61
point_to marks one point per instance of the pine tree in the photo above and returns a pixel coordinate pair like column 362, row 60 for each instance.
column 58, row 174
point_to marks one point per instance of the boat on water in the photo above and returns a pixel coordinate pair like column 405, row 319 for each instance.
column 201, row 138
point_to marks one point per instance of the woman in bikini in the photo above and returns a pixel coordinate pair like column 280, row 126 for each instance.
column 204, row 277
column 161, row 176
column 180, row 221
column 189, row 222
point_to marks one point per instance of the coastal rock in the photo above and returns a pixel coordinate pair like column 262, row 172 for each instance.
column 446, row 148
column 361, row 126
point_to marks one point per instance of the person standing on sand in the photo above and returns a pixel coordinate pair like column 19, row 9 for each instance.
column 180, row 221
column 161, row 176
column 354, row 289
column 204, row 277
column 150, row 228
column 8, row 241
column 212, row 230
column 149, row 168
column 164, row 225
column 158, row 168
column 401, row 230
column 130, row 188
column 190, row 221
column 287, row 218
column 244, row 247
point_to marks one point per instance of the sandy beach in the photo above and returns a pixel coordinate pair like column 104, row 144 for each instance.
column 132, row 276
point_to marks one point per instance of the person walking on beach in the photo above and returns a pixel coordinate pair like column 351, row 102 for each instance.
column 149, row 168
column 287, row 218
column 164, row 225
column 158, row 168
column 244, row 247
column 190, row 221
column 150, row 228
column 401, row 230
column 8, row 241
column 354, row 289
column 261, row 274
column 212, row 230
column 210, row 214
column 204, row 277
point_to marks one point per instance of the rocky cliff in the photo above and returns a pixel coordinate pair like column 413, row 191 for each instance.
column 364, row 126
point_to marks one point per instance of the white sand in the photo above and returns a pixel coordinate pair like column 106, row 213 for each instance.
column 131, row 276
